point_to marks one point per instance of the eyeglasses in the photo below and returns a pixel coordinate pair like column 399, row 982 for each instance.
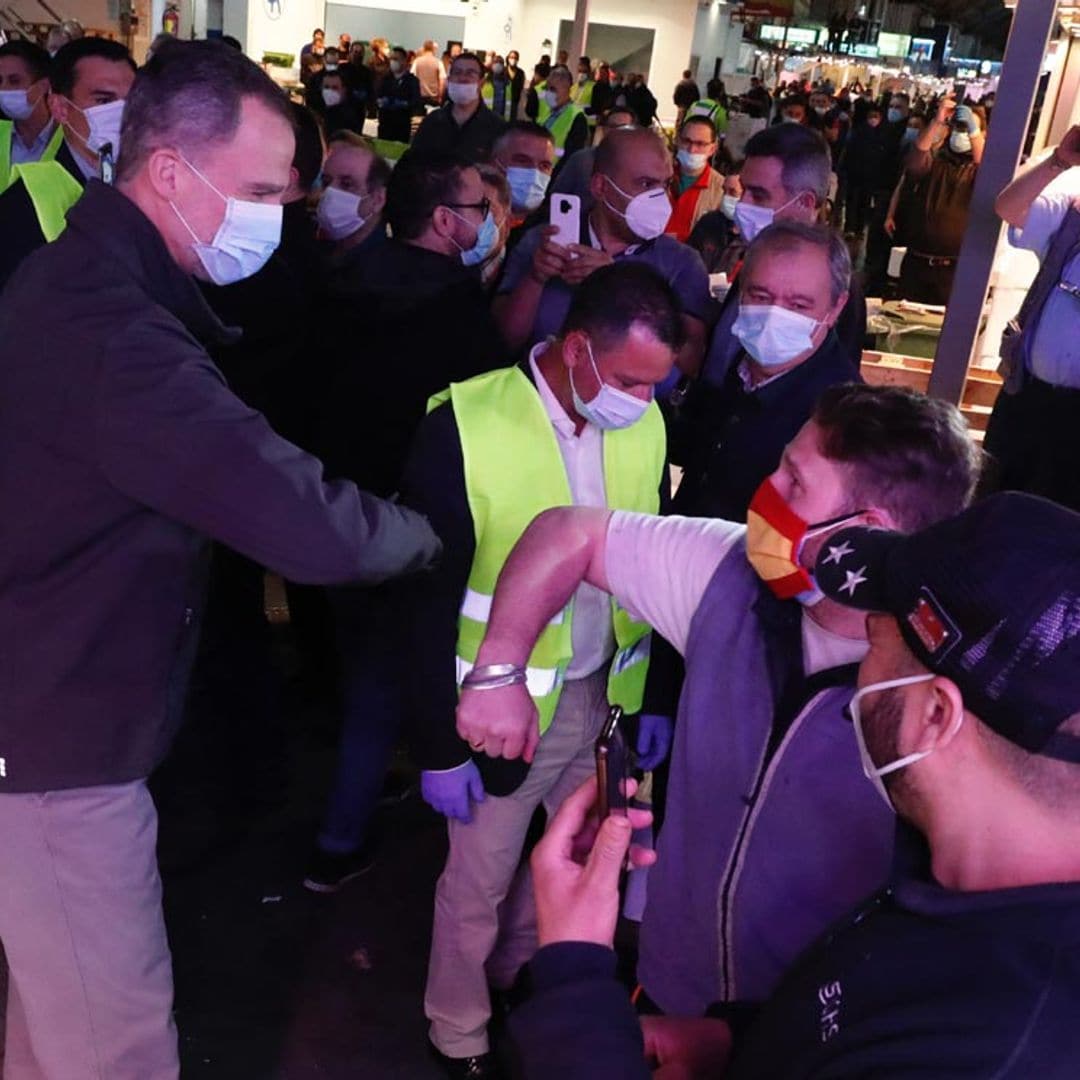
column 484, row 205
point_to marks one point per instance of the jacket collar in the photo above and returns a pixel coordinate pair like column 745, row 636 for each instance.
column 115, row 226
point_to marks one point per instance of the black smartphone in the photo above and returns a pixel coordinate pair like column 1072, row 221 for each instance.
column 612, row 766
column 959, row 91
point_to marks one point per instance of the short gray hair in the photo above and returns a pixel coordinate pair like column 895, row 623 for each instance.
column 805, row 160
column 787, row 236
column 188, row 96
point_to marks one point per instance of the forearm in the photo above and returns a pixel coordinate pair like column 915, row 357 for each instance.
column 1015, row 200
column 515, row 312
column 560, row 549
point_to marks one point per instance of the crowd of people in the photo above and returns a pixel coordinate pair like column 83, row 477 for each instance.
column 844, row 648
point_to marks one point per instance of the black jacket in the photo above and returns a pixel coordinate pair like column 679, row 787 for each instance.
column 728, row 439
column 919, row 982
column 439, row 133
column 409, row 322
column 123, row 450
column 399, row 101
column 20, row 233
column 277, row 362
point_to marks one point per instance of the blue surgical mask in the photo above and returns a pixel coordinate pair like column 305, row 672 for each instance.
column 910, row 135
column 487, row 236
column 611, row 408
column 527, row 187
column 894, row 116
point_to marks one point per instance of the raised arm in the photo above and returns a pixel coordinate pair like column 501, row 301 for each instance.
column 561, row 548
column 1015, row 200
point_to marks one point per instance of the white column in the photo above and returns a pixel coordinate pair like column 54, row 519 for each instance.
column 580, row 33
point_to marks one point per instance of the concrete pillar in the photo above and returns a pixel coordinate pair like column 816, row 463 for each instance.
column 1028, row 37
column 579, row 35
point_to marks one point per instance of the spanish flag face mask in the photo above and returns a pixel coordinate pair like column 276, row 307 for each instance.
column 775, row 538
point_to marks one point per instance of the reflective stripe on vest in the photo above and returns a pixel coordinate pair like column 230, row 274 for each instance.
column 52, row 190
column 560, row 126
column 7, row 136
column 487, row 96
column 514, row 471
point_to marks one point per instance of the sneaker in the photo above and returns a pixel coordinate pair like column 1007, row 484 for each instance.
column 480, row 1067
column 327, row 872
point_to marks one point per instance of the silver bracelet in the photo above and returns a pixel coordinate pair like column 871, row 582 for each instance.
column 493, row 677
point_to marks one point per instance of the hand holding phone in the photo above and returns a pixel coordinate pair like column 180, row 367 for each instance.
column 612, row 767
column 565, row 217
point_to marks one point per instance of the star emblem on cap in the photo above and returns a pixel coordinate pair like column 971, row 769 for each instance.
column 839, row 552
column 854, row 579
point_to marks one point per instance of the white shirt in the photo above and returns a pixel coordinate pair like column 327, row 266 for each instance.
column 583, row 457
column 21, row 154
column 659, row 568
column 1055, row 351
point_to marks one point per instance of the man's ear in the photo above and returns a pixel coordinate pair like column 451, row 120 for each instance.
column 837, row 308
column 378, row 202
column 59, row 107
column 163, row 172
column 877, row 517
column 574, row 351
column 937, row 721
column 442, row 221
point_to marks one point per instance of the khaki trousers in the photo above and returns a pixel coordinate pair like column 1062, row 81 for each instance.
column 90, row 978
column 477, row 937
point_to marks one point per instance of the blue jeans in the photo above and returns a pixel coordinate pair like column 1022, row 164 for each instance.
column 372, row 706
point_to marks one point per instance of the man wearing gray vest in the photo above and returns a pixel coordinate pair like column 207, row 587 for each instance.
column 771, row 831
column 1034, row 433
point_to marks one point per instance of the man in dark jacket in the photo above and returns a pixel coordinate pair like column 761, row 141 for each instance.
column 785, row 177
column 464, row 125
column 792, row 288
column 967, row 720
column 398, row 99
column 422, row 316
column 88, row 80
column 123, row 451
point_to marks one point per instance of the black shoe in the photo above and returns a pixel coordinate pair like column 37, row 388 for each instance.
column 327, row 872
column 480, row 1067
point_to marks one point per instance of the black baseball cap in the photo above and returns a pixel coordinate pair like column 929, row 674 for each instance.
column 989, row 599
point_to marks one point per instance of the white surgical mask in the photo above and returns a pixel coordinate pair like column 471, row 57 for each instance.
column 647, row 214
column 551, row 98
column 960, row 142
column 873, row 772
column 105, row 121
column 821, row 110
column 246, row 238
column 753, row 219
column 497, row 69
column 331, row 97
column 395, row 66
column 527, row 187
column 773, row 335
column 692, row 163
column 728, row 205
column 462, row 93
column 338, row 213
column 15, row 104
column 611, row 408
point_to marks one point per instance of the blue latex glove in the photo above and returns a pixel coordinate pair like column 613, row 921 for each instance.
column 653, row 740
column 449, row 792
column 965, row 118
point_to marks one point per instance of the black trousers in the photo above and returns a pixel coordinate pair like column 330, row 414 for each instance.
column 925, row 282
column 1033, row 440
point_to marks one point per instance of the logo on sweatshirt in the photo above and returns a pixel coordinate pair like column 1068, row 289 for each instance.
column 830, row 996
column 3, row 768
